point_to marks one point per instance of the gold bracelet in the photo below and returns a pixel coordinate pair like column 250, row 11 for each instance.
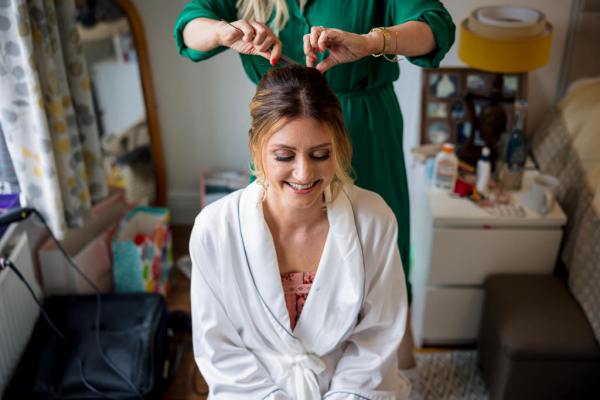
column 387, row 37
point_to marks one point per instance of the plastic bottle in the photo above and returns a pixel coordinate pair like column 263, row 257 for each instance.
column 484, row 170
column 445, row 168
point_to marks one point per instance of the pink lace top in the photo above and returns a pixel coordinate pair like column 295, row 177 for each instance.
column 296, row 286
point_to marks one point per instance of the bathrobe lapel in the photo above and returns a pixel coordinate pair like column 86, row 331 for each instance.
column 335, row 298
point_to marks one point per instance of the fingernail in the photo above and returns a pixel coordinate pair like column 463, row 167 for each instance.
column 320, row 50
column 314, row 59
column 273, row 61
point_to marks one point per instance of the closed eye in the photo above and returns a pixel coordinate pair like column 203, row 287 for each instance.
column 284, row 158
column 320, row 155
column 283, row 155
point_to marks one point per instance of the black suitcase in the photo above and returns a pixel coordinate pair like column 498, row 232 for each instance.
column 132, row 335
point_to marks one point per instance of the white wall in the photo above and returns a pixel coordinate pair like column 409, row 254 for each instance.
column 203, row 108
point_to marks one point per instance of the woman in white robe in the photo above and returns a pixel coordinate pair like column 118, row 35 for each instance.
column 345, row 342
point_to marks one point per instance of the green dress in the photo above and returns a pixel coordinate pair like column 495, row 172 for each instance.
column 369, row 104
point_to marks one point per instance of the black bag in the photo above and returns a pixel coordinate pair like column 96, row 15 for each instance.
column 133, row 336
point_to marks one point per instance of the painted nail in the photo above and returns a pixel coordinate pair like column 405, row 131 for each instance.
column 314, row 59
column 320, row 50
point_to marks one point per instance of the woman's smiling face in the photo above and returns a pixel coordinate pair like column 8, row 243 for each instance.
column 298, row 164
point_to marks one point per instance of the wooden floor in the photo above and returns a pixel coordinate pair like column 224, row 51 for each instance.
column 188, row 383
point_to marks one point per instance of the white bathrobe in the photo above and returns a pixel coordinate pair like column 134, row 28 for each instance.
column 345, row 342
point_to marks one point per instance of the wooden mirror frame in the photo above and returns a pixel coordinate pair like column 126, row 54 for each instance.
column 139, row 39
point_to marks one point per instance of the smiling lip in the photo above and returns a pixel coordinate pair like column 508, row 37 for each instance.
column 303, row 191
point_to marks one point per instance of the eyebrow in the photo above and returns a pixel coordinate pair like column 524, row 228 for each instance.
column 286, row 147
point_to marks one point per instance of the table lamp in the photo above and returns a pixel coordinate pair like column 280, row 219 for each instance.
column 501, row 40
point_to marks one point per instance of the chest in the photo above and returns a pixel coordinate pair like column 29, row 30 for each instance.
column 300, row 252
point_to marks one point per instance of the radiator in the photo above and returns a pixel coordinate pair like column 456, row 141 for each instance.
column 18, row 311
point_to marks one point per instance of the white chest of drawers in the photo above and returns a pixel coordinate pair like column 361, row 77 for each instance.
column 456, row 245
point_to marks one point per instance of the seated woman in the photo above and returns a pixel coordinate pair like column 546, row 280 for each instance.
column 297, row 284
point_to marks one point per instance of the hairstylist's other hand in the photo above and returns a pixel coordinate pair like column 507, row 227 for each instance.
column 344, row 47
column 252, row 38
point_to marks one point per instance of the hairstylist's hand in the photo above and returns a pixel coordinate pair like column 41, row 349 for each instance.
column 344, row 47
column 252, row 38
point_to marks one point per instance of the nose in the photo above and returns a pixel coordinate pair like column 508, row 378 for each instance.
column 304, row 169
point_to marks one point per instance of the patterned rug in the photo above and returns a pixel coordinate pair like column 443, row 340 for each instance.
column 450, row 375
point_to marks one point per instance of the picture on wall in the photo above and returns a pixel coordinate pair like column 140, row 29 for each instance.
column 437, row 110
column 445, row 115
column 443, row 85
column 438, row 132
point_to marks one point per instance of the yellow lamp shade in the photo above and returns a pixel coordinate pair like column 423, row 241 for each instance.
column 505, row 55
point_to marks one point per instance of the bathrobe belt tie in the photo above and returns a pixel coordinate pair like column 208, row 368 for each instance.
column 300, row 371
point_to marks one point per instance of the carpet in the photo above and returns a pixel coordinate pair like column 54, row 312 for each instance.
column 450, row 375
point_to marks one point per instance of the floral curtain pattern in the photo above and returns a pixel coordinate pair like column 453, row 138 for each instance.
column 46, row 110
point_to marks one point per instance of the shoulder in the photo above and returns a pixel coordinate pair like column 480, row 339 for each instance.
column 375, row 220
column 369, row 207
column 216, row 218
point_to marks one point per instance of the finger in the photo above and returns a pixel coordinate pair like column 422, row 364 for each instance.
column 309, row 51
column 264, row 54
column 248, row 30
column 309, row 62
column 315, row 32
column 276, row 51
column 326, row 64
column 325, row 39
column 266, row 44
column 262, row 32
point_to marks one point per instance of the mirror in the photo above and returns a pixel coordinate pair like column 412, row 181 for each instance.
column 114, row 45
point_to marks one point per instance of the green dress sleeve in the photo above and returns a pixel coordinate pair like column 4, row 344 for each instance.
column 213, row 9
column 435, row 15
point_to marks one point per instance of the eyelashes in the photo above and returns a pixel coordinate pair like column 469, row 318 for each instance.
column 320, row 157
column 316, row 157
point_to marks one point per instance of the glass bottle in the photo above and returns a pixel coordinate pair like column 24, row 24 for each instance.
column 515, row 153
column 516, row 148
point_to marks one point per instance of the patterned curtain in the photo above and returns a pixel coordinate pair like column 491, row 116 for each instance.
column 46, row 110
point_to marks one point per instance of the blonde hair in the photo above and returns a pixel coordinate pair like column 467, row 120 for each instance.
column 294, row 92
column 261, row 10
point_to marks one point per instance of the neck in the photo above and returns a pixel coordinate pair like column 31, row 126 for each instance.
column 283, row 218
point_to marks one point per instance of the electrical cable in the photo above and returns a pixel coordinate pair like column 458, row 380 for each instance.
column 4, row 263
column 85, row 381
